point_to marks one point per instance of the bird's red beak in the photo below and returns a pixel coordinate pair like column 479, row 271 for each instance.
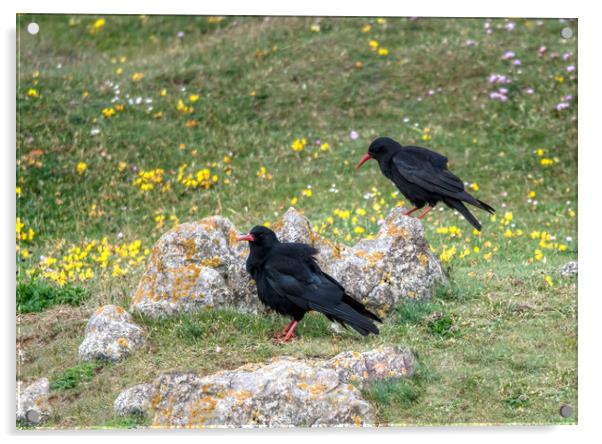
column 245, row 237
column 366, row 157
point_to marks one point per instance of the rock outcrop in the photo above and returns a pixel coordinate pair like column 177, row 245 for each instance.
column 110, row 335
column 284, row 392
column 200, row 265
column 32, row 401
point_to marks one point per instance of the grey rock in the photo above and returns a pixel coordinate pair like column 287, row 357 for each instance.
column 200, row 265
column 284, row 392
column 110, row 335
column 196, row 266
column 569, row 269
column 32, row 401
column 134, row 401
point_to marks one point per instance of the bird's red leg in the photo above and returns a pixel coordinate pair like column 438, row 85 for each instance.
column 424, row 212
column 285, row 331
column 291, row 332
column 407, row 213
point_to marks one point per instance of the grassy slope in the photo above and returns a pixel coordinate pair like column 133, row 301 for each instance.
column 262, row 84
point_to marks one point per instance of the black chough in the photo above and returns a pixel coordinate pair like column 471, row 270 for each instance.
column 290, row 282
column 421, row 175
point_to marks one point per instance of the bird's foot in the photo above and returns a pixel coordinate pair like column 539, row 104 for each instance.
column 283, row 338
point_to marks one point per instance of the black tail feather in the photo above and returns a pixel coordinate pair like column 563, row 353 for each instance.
column 360, row 308
column 457, row 205
column 345, row 314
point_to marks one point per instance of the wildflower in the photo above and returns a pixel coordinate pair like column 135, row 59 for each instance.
column 474, row 186
column 354, row 135
column 18, row 190
column 325, row 146
column 294, row 201
column 366, row 28
column 32, row 92
column 108, row 112
column 314, row 28
column 299, row 144
column 508, row 55
column 373, row 44
column 163, row 92
column 307, row 192
column 358, row 230
column 137, row 76
column 548, row 280
column 532, row 194
column 227, row 159
column 570, row 68
column 263, row 174
column 81, row 168
column 193, row 98
column 98, row 24
column 383, row 51
column 546, row 162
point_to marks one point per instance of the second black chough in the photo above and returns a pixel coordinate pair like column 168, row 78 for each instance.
column 290, row 282
column 421, row 175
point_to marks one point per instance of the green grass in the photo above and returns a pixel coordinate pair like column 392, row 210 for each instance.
column 509, row 355
column 72, row 377
column 38, row 295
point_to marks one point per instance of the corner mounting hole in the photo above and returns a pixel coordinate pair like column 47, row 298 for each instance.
column 33, row 28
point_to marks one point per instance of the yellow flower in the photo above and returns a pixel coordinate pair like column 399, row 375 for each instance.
column 546, row 162
column 119, row 71
column 299, row 144
column 358, row 230
column 81, row 168
column 108, row 112
column 121, row 166
column 548, row 280
column 474, row 186
column 32, row 92
column 383, row 51
column 18, row 189
column 366, row 28
column 307, row 192
column 193, row 98
column 325, row 147
column 294, row 201
column 532, row 194
column 99, row 23
column 381, row 21
column 25, row 253
column 227, row 159
column 540, row 152
column 508, row 233
column 137, row 76
column 163, row 92
column 315, row 28
column 373, row 44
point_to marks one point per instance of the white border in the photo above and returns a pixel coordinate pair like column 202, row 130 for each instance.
column 590, row 310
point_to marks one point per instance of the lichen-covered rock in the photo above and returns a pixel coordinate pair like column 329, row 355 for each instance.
column 373, row 365
column 196, row 266
column 282, row 393
column 569, row 269
column 110, row 335
column 32, row 401
column 396, row 264
column 134, row 401
column 200, row 265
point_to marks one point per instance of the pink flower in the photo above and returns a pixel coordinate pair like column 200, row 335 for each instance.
column 542, row 50
column 354, row 135
column 508, row 55
column 570, row 68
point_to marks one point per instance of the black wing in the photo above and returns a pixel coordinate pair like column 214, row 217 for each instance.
column 303, row 283
column 428, row 170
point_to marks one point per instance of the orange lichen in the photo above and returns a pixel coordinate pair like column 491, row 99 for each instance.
column 394, row 231
column 123, row 342
column 212, row 262
column 423, row 258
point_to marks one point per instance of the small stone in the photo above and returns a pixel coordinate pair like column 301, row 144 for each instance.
column 110, row 335
column 32, row 401
column 569, row 269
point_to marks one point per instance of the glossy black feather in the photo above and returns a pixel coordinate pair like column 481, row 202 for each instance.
column 290, row 282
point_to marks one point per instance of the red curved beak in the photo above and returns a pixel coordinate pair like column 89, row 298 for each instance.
column 245, row 237
column 366, row 157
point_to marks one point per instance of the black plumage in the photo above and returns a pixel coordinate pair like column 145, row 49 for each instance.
column 290, row 282
column 421, row 175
